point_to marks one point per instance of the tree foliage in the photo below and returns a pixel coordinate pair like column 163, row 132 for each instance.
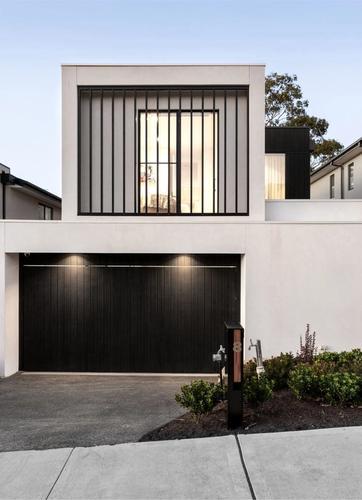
column 285, row 106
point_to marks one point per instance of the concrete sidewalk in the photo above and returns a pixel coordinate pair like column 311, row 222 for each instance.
column 292, row 465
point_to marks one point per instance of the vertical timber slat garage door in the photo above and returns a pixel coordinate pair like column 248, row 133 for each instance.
column 125, row 313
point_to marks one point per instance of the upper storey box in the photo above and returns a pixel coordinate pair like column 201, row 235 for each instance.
column 163, row 141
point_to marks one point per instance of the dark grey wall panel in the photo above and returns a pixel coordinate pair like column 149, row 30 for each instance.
column 152, row 313
column 294, row 142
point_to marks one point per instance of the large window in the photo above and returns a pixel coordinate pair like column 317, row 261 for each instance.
column 178, row 161
column 163, row 151
column 275, row 176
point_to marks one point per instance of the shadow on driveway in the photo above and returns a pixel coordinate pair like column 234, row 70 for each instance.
column 55, row 411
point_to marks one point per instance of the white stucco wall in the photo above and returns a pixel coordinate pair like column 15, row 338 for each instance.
column 318, row 210
column 292, row 273
column 251, row 75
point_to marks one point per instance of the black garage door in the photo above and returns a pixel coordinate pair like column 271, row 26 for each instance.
column 125, row 313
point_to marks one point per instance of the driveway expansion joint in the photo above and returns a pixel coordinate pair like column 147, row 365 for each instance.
column 245, row 469
column 60, row 473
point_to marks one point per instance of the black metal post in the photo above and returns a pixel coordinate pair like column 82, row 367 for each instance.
column 234, row 341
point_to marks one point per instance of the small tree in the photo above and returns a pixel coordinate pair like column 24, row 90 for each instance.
column 284, row 105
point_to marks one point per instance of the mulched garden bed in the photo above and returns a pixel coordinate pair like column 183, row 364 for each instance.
column 284, row 412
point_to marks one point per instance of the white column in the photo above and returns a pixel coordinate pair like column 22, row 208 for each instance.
column 9, row 312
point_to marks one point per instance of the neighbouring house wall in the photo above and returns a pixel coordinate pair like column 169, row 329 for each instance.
column 292, row 273
column 22, row 205
column 320, row 189
column 357, row 170
column 252, row 76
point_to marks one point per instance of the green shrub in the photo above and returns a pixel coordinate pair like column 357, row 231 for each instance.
column 345, row 361
column 257, row 389
column 326, row 379
column 340, row 388
column 199, row 397
column 249, row 369
column 303, row 381
column 278, row 368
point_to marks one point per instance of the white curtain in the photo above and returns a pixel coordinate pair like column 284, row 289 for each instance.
column 275, row 177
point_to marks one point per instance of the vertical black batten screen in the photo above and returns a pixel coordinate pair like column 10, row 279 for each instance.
column 135, row 148
column 213, row 151
column 202, row 150
column 236, row 152
column 79, row 146
column 191, row 150
column 157, row 153
column 124, row 151
column 90, row 151
column 225, row 145
column 146, row 153
column 168, row 152
column 112, row 102
column 112, row 151
column 178, row 156
column 101, row 150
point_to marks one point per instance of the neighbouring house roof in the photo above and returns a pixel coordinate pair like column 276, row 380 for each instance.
column 29, row 186
column 339, row 160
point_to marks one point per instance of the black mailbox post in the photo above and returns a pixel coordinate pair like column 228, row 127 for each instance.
column 234, row 341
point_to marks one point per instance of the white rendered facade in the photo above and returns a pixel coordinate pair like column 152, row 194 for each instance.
column 298, row 262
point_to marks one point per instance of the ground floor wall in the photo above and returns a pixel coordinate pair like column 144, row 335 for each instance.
column 291, row 273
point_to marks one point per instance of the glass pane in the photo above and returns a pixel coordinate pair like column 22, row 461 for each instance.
column 209, row 163
column 158, row 175
column 196, row 163
column 275, row 177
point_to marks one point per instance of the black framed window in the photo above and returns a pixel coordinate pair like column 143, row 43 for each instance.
column 178, row 161
column 332, row 187
column 45, row 212
column 350, row 176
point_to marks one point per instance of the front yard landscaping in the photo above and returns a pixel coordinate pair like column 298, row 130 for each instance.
column 306, row 391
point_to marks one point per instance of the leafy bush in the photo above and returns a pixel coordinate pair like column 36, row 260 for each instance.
column 340, row 388
column 249, row 369
column 199, row 397
column 257, row 389
column 303, row 381
column 278, row 368
column 328, row 379
column 350, row 361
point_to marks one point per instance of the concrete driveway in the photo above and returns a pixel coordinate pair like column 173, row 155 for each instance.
column 57, row 411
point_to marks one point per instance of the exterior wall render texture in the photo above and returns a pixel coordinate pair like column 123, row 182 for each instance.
column 292, row 273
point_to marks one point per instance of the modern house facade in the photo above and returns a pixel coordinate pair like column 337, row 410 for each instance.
column 20, row 199
column 340, row 177
column 166, row 233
